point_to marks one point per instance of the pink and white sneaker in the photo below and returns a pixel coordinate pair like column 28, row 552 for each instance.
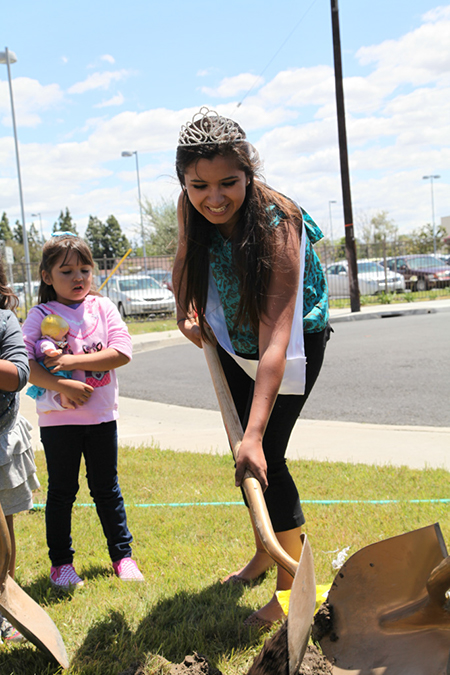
column 127, row 570
column 65, row 578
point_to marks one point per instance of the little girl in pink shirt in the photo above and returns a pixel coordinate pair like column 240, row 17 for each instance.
column 98, row 343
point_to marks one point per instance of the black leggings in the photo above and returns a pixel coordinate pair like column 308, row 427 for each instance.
column 282, row 499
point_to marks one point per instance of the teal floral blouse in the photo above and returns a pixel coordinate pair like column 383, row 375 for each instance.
column 315, row 290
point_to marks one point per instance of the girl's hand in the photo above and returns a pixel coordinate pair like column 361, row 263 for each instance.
column 251, row 457
column 52, row 352
column 190, row 329
column 59, row 362
column 77, row 392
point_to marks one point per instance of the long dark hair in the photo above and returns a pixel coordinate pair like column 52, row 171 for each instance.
column 255, row 242
column 8, row 300
column 54, row 248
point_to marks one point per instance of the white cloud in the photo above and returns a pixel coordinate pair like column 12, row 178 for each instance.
column 64, row 59
column 98, row 81
column 232, row 86
column 118, row 99
column 30, row 98
column 437, row 14
column 398, row 126
column 108, row 58
column 299, row 87
column 421, row 56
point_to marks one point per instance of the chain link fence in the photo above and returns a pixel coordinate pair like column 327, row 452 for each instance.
column 142, row 287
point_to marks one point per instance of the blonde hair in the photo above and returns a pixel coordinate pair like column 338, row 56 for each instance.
column 52, row 326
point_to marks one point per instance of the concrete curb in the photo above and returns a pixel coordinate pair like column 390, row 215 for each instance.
column 383, row 314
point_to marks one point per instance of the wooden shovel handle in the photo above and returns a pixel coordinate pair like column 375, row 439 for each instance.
column 250, row 485
column 5, row 549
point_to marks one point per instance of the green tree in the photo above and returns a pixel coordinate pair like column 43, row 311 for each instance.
column 65, row 223
column 106, row 239
column 94, row 236
column 5, row 230
column 423, row 238
column 384, row 229
column 18, row 232
column 34, row 244
column 161, row 228
column 116, row 240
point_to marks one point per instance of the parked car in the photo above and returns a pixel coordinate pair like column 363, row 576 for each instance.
column 421, row 272
column 163, row 277
column 372, row 279
column 444, row 258
column 136, row 294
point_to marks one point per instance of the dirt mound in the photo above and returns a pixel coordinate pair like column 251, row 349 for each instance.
column 193, row 665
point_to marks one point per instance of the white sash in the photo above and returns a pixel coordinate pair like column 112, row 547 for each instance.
column 293, row 381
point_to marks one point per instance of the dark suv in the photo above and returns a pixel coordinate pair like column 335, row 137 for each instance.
column 421, row 272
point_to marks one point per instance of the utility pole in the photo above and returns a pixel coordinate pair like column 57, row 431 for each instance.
column 350, row 246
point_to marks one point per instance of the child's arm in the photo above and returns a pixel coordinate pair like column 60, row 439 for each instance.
column 14, row 368
column 9, row 376
column 106, row 359
column 76, row 391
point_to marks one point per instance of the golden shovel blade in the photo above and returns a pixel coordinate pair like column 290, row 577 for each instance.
column 32, row 621
column 22, row 611
column 390, row 613
column 302, row 603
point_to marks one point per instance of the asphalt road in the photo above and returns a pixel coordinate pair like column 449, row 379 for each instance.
column 382, row 371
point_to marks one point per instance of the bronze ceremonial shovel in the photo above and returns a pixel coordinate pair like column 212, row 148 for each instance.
column 390, row 614
column 22, row 611
column 303, row 594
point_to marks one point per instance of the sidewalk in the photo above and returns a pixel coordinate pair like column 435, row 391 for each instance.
column 178, row 428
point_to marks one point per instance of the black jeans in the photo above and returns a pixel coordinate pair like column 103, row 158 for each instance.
column 63, row 447
column 282, row 499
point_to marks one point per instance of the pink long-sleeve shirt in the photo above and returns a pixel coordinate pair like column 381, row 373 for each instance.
column 94, row 325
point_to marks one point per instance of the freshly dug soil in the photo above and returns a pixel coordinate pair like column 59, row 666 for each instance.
column 273, row 658
column 314, row 663
column 194, row 665
column 323, row 623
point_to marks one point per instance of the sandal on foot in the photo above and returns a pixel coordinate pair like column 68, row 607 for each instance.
column 236, row 580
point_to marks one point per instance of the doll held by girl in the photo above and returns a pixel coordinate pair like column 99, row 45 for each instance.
column 52, row 343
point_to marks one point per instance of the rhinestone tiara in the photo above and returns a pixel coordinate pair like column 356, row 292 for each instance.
column 208, row 127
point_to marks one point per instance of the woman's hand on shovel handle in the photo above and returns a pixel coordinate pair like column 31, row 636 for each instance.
column 251, row 458
column 190, row 329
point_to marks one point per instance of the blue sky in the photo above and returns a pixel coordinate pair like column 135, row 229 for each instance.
column 95, row 78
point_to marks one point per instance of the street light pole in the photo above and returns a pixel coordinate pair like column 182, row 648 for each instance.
column 8, row 58
column 432, row 208
column 35, row 215
column 127, row 153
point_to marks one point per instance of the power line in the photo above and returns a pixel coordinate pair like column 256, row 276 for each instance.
column 276, row 54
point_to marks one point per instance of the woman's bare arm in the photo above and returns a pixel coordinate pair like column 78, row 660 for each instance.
column 274, row 334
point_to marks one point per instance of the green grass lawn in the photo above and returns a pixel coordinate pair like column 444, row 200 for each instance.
column 137, row 327
column 185, row 540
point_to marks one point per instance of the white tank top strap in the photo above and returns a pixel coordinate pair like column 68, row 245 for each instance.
column 295, row 372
